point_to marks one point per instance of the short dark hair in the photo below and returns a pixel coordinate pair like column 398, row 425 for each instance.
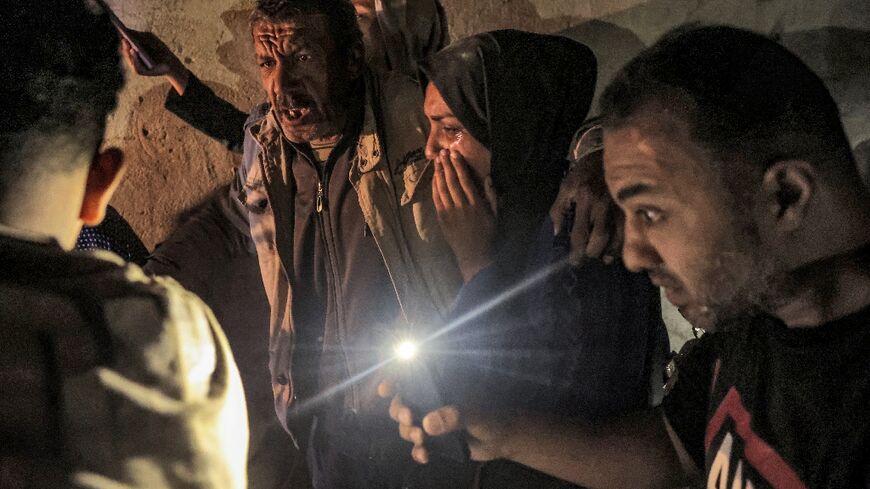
column 341, row 18
column 61, row 74
column 745, row 97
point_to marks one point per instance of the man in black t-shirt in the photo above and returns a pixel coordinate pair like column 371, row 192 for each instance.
column 774, row 406
column 742, row 201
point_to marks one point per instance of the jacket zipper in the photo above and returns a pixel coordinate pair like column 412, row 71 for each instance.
column 319, row 196
column 332, row 265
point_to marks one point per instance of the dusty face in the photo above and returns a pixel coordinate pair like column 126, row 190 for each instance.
column 446, row 132
column 306, row 80
column 681, row 224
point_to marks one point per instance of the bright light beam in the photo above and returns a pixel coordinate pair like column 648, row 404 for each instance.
column 326, row 394
column 508, row 294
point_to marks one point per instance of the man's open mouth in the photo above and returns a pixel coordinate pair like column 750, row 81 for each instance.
column 295, row 113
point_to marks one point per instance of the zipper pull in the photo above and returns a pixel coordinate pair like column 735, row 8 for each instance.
column 319, row 197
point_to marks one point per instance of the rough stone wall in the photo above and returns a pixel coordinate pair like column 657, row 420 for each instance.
column 171, row 166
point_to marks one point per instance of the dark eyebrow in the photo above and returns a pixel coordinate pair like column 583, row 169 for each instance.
column 631, row 191
column 438, row 117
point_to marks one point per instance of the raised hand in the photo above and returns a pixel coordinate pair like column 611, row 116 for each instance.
column 596, row 231
column 165, row 62
column 466, row 212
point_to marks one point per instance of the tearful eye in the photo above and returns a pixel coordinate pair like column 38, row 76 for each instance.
column 452, row 131
column 650, row 215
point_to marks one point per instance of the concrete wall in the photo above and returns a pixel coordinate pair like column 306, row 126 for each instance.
column 171, row 166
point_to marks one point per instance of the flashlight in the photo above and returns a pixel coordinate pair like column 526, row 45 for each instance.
column 406, row 350
column 421, row 390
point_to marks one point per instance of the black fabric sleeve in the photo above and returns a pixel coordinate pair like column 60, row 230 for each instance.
column 687, row 404
column 205, row 111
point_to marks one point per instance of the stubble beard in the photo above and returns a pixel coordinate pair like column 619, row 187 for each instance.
column 742, row 283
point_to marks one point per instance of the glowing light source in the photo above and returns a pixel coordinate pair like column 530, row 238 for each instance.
column 406, row 350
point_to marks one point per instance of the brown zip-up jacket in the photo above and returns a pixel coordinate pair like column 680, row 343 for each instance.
column 391, row 180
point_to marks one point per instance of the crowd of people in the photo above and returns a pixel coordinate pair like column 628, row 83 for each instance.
column 397, row 187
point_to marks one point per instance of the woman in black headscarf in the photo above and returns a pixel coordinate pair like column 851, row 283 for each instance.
column 517, row 99
column 503, row 108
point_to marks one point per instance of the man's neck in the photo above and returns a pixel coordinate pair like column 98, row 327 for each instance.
column 47, row 207
column 40, row 230
column 825, row 290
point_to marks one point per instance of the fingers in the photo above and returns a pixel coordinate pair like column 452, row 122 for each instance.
column 437, row 186
column 130, row 57
column 443, row 420
column 386, row 389
column 161, row 58
column 407, row 430
column 557, row 213
column 600, row 234
column 453, row 187
column 413, row 434
column 562, row 205
column 134, row 61
column 420, row 454
column 614, row 248
column 489, row 194
column 400, row 412
column 580, row 231
column 469, row 188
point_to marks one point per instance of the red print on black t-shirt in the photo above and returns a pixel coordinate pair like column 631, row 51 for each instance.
column 737, row 457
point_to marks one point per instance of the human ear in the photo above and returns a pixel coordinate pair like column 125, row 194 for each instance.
column 104, row 175
column 788, row 188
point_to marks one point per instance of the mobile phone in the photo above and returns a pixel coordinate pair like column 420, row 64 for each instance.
column 124, row 31
column 419, row 388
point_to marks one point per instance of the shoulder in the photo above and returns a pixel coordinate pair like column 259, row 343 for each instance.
column 398, row 88
column 162, row 335
column 400, row 103
column 171, row 371
column 398, row 81
column 257, row 114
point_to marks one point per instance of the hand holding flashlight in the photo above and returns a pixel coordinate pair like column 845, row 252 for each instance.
column 420, row 393
column 484, row 436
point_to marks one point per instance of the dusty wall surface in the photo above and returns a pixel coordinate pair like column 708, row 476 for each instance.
column 171, row 166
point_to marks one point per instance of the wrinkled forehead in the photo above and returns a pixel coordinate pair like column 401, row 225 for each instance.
column 304, row 29
column 655, row 146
